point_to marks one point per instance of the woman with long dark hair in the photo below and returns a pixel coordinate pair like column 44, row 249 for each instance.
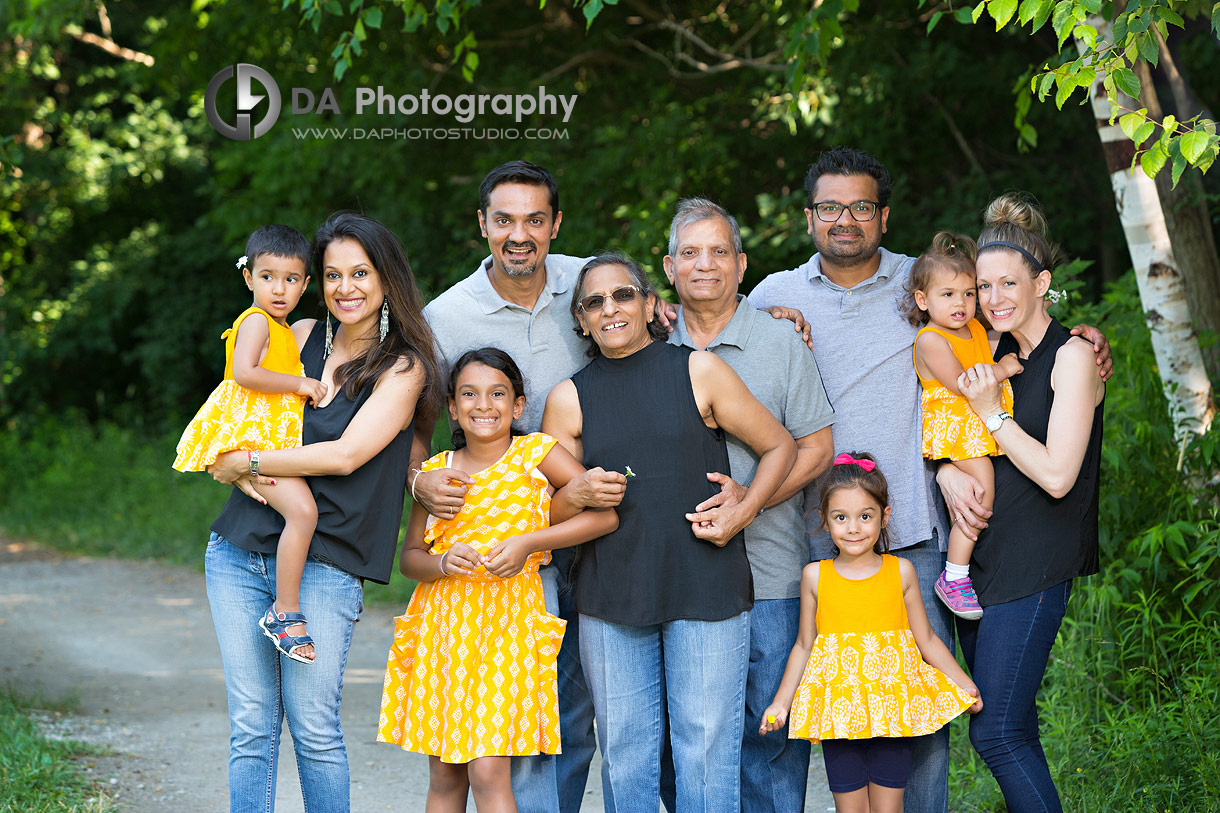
column 375, row 353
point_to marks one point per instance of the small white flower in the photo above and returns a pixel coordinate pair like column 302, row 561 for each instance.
column 630, row 473
column 1056, row 297
column 241, row 261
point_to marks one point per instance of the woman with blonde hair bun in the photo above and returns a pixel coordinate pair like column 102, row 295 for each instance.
column 1044, row 531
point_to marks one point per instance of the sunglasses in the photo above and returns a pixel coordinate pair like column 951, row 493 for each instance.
column 594, row 302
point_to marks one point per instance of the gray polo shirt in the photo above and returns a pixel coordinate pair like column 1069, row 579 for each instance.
column 864, row 346
column 779, row 370
column 471, row 315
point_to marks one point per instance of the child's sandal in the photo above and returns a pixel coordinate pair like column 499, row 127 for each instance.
column 275, row 626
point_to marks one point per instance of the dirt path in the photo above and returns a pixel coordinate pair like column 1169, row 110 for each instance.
column 131, row 644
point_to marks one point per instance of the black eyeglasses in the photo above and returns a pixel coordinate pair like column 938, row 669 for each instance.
column 861, row 210
column 594, row 302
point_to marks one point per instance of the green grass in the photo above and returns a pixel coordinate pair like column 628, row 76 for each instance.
column 37, row 774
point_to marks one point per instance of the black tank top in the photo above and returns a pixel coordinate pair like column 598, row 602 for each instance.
column 358, row 514
column 1035, row 541
column 640, row 413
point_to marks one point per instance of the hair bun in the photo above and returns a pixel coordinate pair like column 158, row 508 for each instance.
column 1018, row 209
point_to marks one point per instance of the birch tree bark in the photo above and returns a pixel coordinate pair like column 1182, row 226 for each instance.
column 1162, row 290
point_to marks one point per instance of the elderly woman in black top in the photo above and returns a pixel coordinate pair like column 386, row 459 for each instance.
column 1044, row 529
column 663, row 602
column 377, row 360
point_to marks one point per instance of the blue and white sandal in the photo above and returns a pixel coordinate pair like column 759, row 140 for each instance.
column 275, row 626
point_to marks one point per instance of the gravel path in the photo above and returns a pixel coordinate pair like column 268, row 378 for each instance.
column 131, row 645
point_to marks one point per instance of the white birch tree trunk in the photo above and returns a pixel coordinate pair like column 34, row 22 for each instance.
column 1162, row 291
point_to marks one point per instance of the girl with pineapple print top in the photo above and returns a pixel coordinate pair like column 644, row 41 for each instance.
column 866, row 672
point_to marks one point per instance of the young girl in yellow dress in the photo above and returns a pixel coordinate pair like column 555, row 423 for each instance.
column 259, row 405
column 866, row 672
column 470, row 678
column 941, row 296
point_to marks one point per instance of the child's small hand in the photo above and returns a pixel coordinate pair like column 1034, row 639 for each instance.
column 461, row 560
column 1011, row 365
column 973, row 691
column 313, row 390
column 774, row 718
column 507, row 557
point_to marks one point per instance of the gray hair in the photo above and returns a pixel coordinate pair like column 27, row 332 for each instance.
column 655, row 330
column 692, row 210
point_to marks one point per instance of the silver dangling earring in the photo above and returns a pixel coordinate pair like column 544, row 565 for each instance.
column 385, row 318
column 329, row 339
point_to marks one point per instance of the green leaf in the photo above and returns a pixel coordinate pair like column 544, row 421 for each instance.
column 1027, row 11
column 1194, row 144
column 1091, row 6
column 1130, row 123
column 1086, row 34
column 355, row 4
column 1148, row 48
column 978, row 11
column 1127, row 82
column 1060, row 20
column 1044, row 14
column 591, row 10
column 333, row 7
column 964, row 15
column 1169, row 123
column 1118, row 29
column 360, row 34
column 1170, row 16
column 372, row 18
column 1137, row 23
column 1151, row 161
column 1144, row 132
column 1002, row 11
column 1048, row 81
column 1179, row 164
column 1216, row 19
column 1065, row 91
column 932, row 22
column 1028, row 135
column 341, row 68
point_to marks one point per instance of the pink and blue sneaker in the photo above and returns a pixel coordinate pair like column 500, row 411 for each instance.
column 959, row 596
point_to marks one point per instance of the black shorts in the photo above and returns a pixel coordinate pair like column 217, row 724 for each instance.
column 853, row 764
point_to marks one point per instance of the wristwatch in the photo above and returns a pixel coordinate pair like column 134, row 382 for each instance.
column 994, row 422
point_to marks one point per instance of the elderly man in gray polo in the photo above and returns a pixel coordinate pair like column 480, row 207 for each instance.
column 706, row 265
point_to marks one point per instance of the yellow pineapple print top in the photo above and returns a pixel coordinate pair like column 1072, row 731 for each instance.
column 234, row 417
column 865, row 677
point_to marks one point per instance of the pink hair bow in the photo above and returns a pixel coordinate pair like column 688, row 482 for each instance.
column 846, row 459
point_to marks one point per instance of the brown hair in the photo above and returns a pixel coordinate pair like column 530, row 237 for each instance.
column 952, row 252
column 409, row 336
column 1016, row 218
column 853, row 475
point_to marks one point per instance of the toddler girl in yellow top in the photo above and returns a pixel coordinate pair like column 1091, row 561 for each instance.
column 866, row 672
column 259, row 406
column 470, row 678
column 941, row 296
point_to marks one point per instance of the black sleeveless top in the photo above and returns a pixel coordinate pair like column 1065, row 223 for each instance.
column 1034, row 541
column 358, row 514
column 640, row 413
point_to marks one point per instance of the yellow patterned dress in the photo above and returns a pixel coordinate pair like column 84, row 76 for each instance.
column 865, row 677
column 950, row 428
column 234, row 417
column 471, row 672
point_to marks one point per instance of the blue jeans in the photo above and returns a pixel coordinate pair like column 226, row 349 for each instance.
column 263, row 686
column 774, row 769
column 1007, row 651
column 694, row 673
column 928, row 784
column 548, row 783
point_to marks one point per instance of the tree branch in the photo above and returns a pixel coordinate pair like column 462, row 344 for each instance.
column 109, row 46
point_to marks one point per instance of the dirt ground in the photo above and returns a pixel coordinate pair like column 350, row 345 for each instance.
column 130, row 646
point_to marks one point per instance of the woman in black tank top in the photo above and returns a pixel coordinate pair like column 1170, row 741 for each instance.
column 1044, row 529
column 663, row 600
column 377, row 360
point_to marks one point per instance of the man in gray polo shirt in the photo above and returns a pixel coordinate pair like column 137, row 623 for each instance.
column 705, row 264
column 849, row 291
column 517, row 300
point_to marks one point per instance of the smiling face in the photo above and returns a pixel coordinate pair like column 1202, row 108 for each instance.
column 854, row 520
column 519, row 226
column 949, row 298
column 484, row 403
column 846, row 242
column 618, row 328
column 1009, row 296
column 277, row 283
column 351, row 286
column 706, row 269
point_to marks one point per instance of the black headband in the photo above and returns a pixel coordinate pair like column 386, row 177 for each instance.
column 1032, row 259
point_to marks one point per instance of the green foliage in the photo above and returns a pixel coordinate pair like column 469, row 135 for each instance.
column 38, row 774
